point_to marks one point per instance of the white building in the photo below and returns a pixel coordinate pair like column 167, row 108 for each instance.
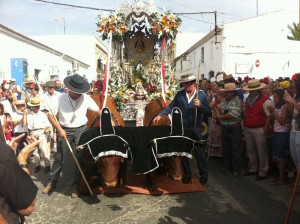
column 85, row 48
column 22, row 56
column 257, row 47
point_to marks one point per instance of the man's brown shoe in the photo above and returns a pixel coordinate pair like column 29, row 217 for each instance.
column 48, row 189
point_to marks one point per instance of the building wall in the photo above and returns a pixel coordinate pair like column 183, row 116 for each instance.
column 260, row 39
column 85, row 48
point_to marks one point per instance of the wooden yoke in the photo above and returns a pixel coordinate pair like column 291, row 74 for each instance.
column 110, row 103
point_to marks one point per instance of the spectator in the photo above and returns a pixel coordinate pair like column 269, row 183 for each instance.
column 17, row 190
column 230, row 117
column 19, row 118
column 280, row 135
column 257, row 121
column 38, row 124
column 295, row 129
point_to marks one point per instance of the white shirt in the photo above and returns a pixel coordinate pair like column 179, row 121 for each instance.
column 37, row 120
column 72, row 113
column 7, row 106
column 19, row 128
column 52, row 102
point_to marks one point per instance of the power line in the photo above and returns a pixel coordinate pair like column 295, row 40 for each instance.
column 111, row 10
column 75, row 6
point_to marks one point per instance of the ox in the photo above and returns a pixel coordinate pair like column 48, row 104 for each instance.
column 171, row 166
column 107, row 170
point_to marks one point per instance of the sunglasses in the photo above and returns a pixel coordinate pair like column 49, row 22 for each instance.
column 50, row 87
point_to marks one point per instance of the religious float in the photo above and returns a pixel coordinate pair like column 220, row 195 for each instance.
column 138, row 69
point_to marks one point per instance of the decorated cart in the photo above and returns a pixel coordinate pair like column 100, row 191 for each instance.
column 138, row 69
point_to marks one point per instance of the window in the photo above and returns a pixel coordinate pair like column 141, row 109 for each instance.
column 202, row 54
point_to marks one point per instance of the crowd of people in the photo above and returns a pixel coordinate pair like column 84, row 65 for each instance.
column 257, row 120
column 260, row 117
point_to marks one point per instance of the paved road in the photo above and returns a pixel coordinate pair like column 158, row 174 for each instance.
column 227, row 199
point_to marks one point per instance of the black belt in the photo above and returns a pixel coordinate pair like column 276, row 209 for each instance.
column 63, row 127
column 36, row 129
column 233, row 125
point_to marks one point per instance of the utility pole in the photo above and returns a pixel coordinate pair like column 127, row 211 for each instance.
column 257, row 7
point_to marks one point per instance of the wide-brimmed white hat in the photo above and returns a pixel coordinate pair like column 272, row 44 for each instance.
column 254, row 84
column 20, row 102
column 34, row 102
column 187, row 78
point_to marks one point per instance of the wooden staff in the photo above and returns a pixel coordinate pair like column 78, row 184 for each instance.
column 287, row 219
column 69, row 146
column 197, row 90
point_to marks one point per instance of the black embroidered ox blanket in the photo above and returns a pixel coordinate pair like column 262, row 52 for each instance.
column 139, row 143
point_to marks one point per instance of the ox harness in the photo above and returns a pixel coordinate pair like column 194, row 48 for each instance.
column 145, row 144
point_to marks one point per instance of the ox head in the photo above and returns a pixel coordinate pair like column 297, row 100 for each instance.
column 110, row 169
column 175, row 168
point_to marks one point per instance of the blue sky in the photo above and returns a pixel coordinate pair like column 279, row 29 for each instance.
column 30, row 17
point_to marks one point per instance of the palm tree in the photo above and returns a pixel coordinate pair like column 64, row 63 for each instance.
column 295, row 30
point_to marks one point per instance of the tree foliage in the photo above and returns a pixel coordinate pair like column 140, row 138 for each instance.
column 295, row 30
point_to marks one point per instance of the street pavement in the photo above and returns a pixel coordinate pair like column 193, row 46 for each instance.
column 227, row 199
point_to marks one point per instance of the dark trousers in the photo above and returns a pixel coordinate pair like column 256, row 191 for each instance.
column 232, row 146
column 73, row 136
column 199, row 153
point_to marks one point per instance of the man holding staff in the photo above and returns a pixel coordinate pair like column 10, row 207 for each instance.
column 193, row 104
column 72, row 108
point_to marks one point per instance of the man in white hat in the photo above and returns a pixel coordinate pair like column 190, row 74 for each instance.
column 25, row 92
column 38, row 124
column 19, row 118
column 257, row 121
column 72, row 108
column 230, row 117
column 15, row 88
column 188, row 100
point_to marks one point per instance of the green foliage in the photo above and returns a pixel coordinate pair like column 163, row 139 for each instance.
column 295, row 30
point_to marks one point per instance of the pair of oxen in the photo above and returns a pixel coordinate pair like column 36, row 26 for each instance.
column 111, row 170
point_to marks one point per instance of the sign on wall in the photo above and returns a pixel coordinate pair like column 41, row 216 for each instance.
column 241, row 68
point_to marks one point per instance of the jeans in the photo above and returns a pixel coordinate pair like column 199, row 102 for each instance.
column 280, row 143
column 73, row 136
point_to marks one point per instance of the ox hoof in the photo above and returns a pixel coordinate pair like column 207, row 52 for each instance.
column 150, row 188
column 187, row 180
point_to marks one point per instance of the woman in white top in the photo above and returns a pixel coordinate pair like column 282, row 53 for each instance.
column 280, row 134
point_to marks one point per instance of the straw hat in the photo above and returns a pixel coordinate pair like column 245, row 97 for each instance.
column 227, row 77
column 254, row 84
column 34, row 102
column 28, row 80
column 231, row 86
column 187, row 78
column 20, row 102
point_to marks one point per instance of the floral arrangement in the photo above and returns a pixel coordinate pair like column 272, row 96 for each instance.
column 114, row 24
column 118, row 93
column 166, row 24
